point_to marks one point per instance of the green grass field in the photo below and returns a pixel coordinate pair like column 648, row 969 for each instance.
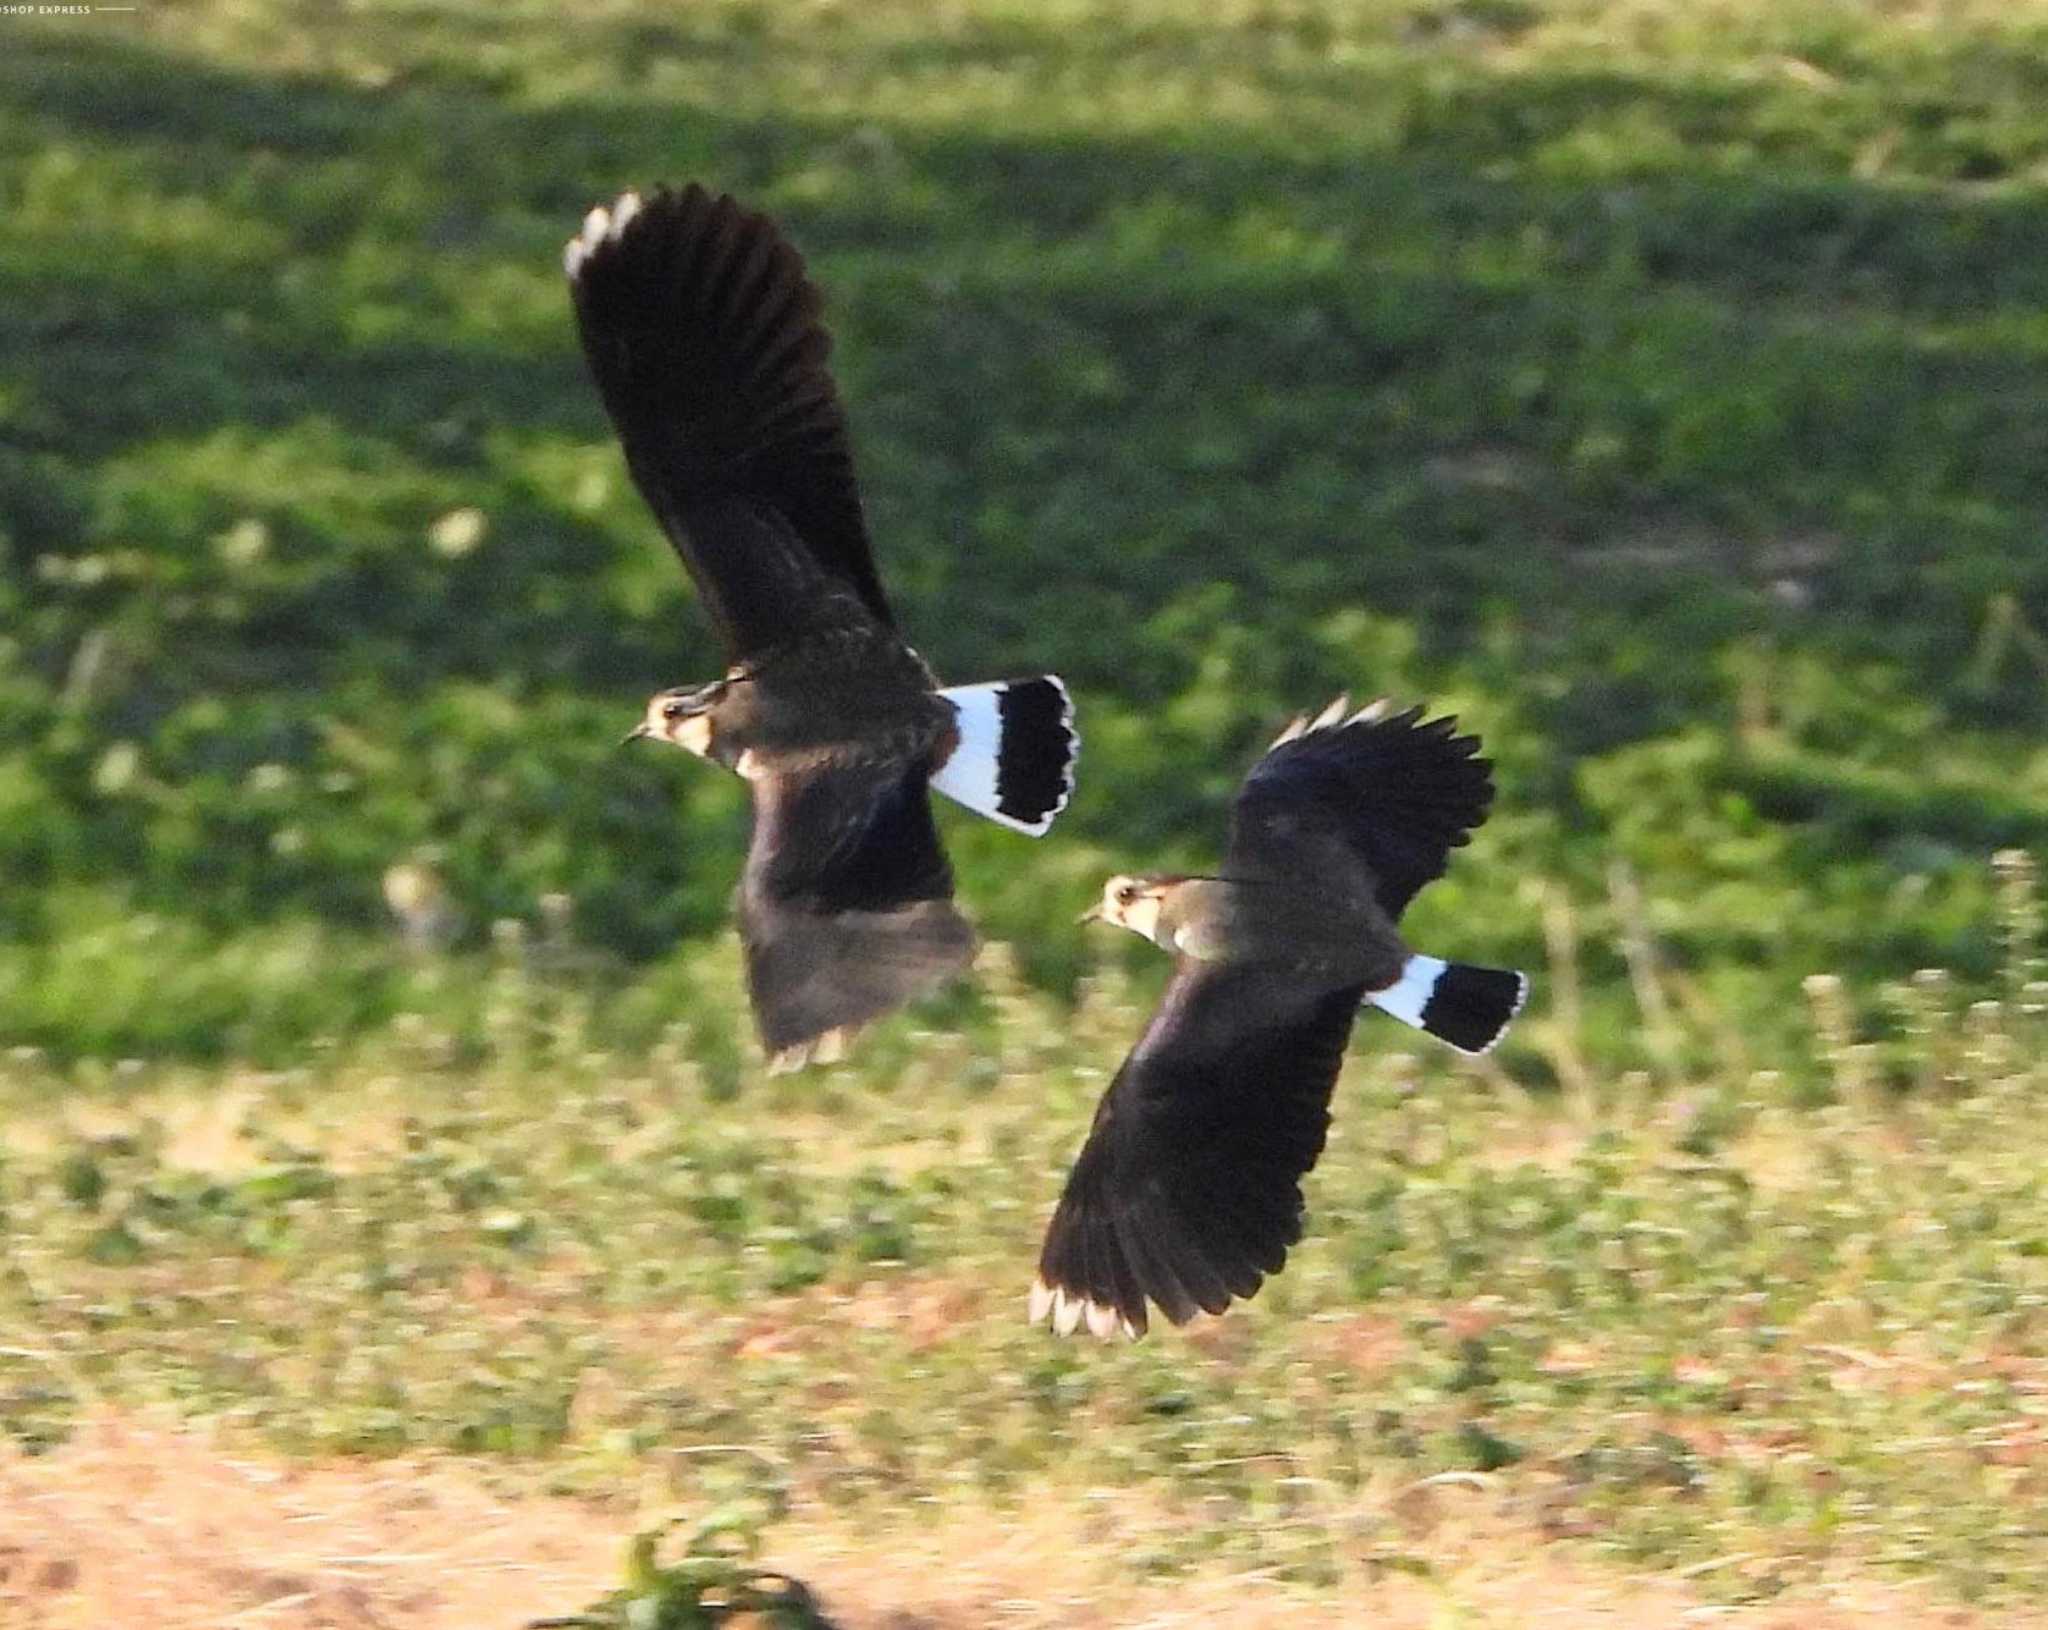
column 1659, row 386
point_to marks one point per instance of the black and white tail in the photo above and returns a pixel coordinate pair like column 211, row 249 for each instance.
column 1455, row 1002
column 1015, row 760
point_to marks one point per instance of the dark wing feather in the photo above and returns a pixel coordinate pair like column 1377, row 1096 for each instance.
column 845, row 908
column 702, row 332
column 1376, row 800
column 1187, row 1192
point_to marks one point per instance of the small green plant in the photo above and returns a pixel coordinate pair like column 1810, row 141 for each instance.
column 717, row 1580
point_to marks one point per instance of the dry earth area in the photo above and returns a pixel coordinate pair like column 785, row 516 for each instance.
column 136, row 1522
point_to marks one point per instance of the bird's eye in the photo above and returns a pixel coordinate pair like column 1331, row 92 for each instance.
column 674, row 710
column 1125, row 894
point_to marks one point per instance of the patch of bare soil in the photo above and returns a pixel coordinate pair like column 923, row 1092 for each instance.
column 138, row 1524
column 132, row 1524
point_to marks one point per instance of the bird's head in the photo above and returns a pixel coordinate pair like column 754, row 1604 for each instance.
column 688, row 718
column 1133, row 903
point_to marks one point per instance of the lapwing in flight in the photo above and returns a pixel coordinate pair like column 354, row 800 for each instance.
column 703, row 334
column 1187, row 1192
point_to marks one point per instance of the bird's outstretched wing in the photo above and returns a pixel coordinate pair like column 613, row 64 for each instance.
column 703, row 334
column 1187, row 1192
column 845, row 908
column 1371, row 800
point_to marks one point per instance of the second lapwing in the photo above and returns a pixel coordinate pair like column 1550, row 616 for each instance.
column 703, row 333
column 1187, row 1192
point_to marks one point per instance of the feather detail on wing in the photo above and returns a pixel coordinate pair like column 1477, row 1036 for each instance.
column 1187, row 1192
column 702, row 332
column 1376, row 797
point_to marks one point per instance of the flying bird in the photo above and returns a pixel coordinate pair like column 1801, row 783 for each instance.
column 703, row 334
column 1187, row 1192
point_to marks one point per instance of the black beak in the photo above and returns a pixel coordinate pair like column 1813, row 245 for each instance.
column 1094, row 914
column 639, row 732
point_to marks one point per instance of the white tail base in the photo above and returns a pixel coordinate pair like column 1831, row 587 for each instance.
column 970, row 777
column 1407, row 996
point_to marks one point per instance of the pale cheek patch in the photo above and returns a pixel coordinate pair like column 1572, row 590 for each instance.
column 1141, row 916
column 694, row 733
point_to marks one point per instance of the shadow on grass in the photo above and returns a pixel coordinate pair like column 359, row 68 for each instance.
column 1211, row 419
column 1143, row 366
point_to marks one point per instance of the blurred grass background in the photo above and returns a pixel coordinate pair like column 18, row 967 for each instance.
column 1657, row 385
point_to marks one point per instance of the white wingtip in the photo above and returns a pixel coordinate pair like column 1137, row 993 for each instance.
column 598, row 225
column 826, row 1047
column 1338, row 715
column 831, row 1047
column 1333, row 714
column 1069, row 1311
